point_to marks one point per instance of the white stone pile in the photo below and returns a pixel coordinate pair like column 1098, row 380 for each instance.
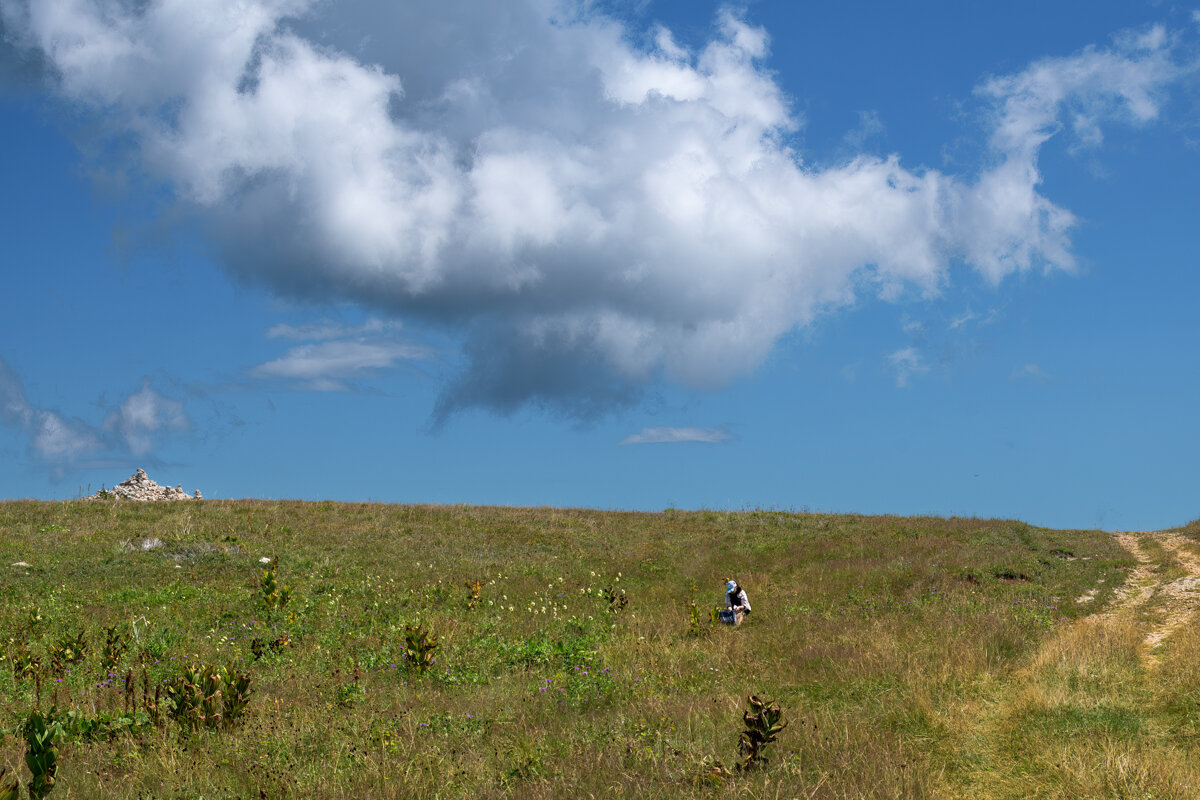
column 140, row 488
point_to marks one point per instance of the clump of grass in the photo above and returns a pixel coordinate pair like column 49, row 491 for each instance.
column 10, row 785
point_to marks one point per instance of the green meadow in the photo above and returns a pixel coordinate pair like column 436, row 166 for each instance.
column 388, row 651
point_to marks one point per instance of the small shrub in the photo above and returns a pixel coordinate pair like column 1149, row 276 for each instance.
column 259, row 646
column 24, row 664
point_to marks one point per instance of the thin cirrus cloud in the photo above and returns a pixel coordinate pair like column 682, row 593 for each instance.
column 323, row 366
column 331, row 330
column 1030, row 372
column 587, row 215
column 668, row 435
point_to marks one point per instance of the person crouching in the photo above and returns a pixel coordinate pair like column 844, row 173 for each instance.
column 737, row 604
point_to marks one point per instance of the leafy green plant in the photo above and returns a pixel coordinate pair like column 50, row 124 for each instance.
column 116, row 644
column 420, row 645
column 473, row 592
column 102, row 725
column 41, row 752
column 763, row 725
column 32, row 621
column 68, row 651
column 617, row 599
column 208, row 696
column 260, row 646
column 693, row 628
column 272, row 593
column 24, row 663
column 351, row 692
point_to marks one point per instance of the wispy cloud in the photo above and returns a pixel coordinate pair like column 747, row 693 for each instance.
column 907, row 362
column 322, row 366
column 667, row 435
column 963, row 319
column 331, row 330
column 1030, row 372
column 143, row 415
column 59, row 441
column 870, row 129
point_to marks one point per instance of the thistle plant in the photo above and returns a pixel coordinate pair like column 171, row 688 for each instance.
column 276, row 596
column 419, row 646
column 41, row 752
column 763, row 724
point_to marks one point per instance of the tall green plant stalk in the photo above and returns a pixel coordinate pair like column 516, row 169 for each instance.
column 763, row 724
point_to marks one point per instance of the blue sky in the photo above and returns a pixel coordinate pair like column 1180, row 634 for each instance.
column 921, row 258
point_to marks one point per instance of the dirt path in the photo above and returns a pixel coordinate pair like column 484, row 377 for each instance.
column 1164, row 589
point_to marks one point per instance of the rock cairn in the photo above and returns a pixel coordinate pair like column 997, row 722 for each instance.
column 140, row 488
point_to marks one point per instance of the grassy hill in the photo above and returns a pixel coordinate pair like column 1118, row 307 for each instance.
column 911, row 657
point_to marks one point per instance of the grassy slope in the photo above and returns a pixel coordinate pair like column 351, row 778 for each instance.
column 900, row 649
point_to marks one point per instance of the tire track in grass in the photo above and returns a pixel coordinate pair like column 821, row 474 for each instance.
column 1178, row 600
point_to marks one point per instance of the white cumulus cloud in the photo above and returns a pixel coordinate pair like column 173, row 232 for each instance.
column 587, row 214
